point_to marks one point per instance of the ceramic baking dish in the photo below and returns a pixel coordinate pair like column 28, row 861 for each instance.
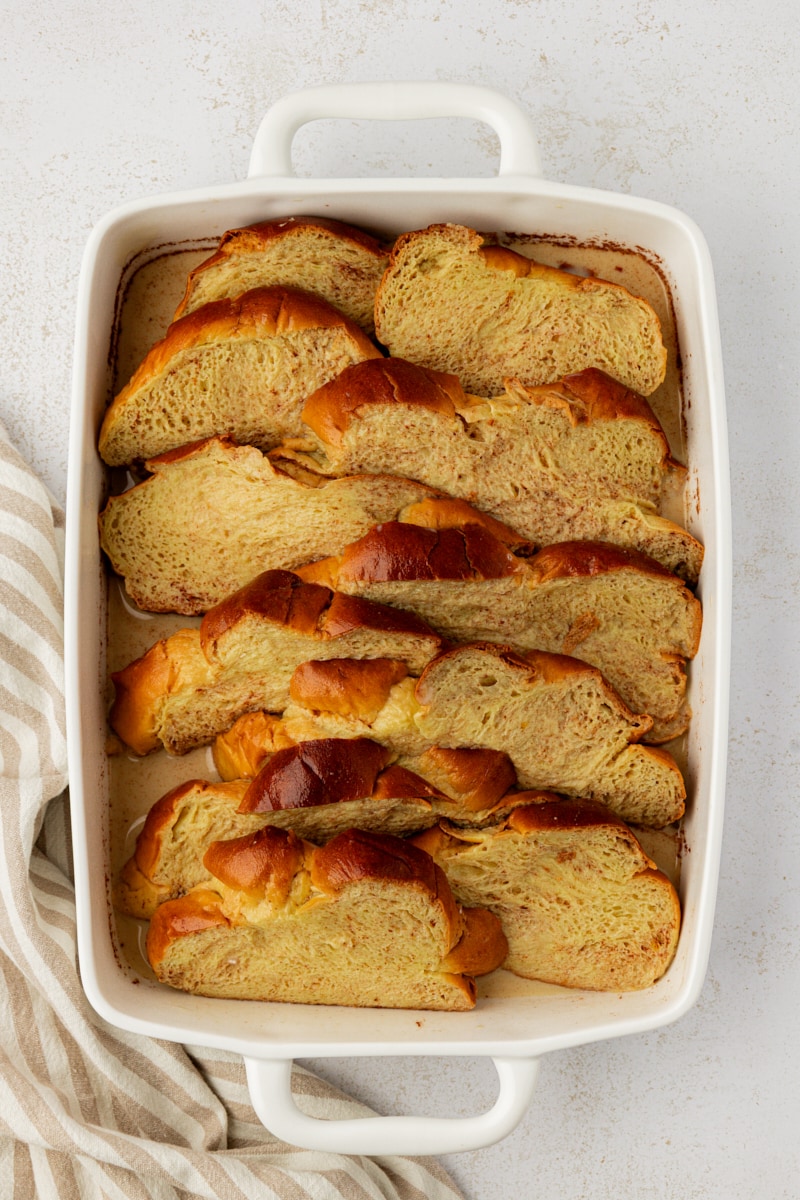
column 517, row 1023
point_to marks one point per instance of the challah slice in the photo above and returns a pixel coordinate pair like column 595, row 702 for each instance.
column 318, row 789
column 614, row 608
column 330, row 259
column 194, row 684
column 476, row 779
column 484, row 313
column 213, row 515
column 366, row 920
column 239, row 366
column 581, row 458
column 580, row 902
column 558, row 720
column 562, row 725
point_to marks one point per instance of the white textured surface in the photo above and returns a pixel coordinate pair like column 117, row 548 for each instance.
column 694, row 104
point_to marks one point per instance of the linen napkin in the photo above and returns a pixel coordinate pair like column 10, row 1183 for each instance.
column 87, row 1110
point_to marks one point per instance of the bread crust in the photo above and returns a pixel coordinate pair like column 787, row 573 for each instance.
column 396, row 552
column 331, row 408
column 316, row 773
column 446, row 512
column 344, row 688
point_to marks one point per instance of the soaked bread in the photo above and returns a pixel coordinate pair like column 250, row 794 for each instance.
column 560, row 723
column 191, row 686
column 255, row 517
column 582, row 458
column 240, row 366
column 318, row 789
column 330, row 259
column 616, row 609
column 580, row 902
column 484, row 313
column 366, row 920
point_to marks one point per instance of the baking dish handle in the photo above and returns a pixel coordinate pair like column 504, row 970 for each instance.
column 272, row 148
column 270, row 1083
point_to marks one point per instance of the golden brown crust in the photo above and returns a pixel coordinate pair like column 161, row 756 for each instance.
column 394, row 551
column 193, row 913
column 137, row 689
column 501, row 258
column 479, row 777
column 400, row 551
column 448, row 512
column 583, row 559
column 240, row 752
column 223, row 440
column 161, row 816
column 435, row 539
column 558, row 812
column 603, row 398
column 345, row 686
column 278, row 596
column 141, row 686
column 348, row 613
column 260, row 864
column 357, row 854
column 483, row 945
column 257, row 237
column 329, row 410
column 284, row 598
column 398, row 783
column 326, row 771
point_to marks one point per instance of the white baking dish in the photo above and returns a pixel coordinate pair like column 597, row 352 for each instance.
column 519, row 1023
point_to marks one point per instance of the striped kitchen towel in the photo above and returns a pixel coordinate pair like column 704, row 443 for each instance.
column 86, row 1110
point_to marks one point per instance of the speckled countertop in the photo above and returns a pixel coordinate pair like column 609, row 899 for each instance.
column 694, row 104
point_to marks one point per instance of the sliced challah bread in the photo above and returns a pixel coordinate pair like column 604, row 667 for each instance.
column 318, row 789
column 614, row 608
column 581, row 458
column 449, row 302
column 240, row 366
column 580, row 902
column 193, row 685
column 330, row 259
column 561, row 724
column 476, row 779
column 213, row 515
column 558, row 720
column 366, row 920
